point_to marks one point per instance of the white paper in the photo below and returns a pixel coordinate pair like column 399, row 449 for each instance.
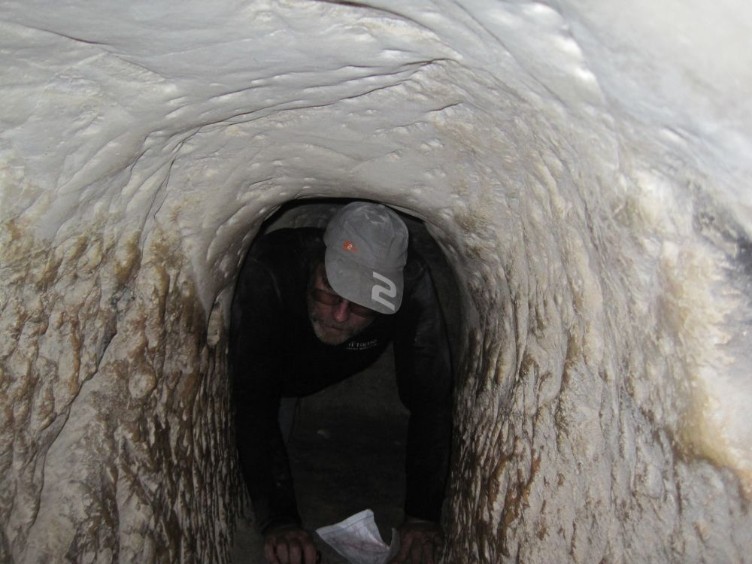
column 357, row 538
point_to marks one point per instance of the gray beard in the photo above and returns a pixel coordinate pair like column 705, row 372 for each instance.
column 320, row 329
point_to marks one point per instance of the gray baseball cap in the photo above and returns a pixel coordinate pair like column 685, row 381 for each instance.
column 366, row 251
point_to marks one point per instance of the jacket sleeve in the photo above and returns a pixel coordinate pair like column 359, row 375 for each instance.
column 256, row 336
column 424, row 378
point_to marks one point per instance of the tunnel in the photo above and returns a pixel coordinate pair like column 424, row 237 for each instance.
column 582, row 166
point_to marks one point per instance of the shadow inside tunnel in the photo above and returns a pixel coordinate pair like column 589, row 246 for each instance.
column 347, row 453
column 347, row 448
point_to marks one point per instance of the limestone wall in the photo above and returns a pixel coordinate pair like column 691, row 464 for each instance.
column 115, row 436
column 584, row 173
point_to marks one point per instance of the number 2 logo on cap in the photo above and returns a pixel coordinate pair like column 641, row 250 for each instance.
column 381, row 293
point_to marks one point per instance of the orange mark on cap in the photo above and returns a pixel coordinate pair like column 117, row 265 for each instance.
column 349, row 246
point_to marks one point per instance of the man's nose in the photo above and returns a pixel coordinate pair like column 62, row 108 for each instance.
column 341, row 311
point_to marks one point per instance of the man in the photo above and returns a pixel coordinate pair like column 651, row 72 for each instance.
column 312, row 309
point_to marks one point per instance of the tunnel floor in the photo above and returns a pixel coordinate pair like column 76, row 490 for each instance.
column 347, row 454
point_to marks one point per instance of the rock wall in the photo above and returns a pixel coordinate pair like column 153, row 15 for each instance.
column 584, row 174
column 116, row 436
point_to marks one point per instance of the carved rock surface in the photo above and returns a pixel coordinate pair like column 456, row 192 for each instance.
column 584, row 170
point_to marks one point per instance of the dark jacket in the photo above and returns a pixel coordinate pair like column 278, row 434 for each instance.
column 274, row 353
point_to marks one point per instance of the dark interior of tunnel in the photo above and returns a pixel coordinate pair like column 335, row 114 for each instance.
column 347, row 447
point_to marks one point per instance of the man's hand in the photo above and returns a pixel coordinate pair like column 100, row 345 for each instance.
column 290, row 545
column 420, row 542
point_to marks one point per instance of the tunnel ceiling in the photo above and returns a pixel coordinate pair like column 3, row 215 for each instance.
column 583, row 166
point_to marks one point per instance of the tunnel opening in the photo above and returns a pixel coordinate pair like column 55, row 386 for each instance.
column 559, row 151
column 347, row 445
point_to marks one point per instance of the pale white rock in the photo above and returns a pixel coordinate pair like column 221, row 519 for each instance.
column 584, row 166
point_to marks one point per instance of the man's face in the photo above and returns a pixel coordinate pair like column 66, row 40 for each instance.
column 334, row 319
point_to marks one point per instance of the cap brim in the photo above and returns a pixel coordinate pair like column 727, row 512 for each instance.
column 380, row 290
